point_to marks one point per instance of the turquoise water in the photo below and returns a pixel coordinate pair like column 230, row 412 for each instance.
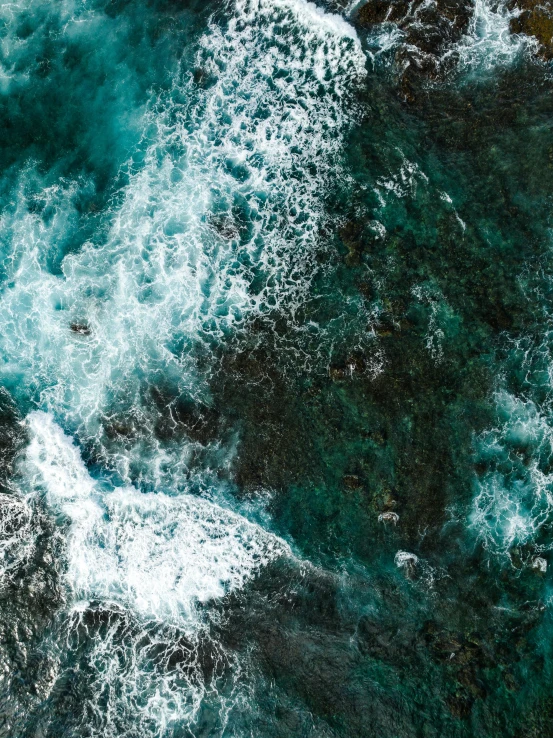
column 275, row 414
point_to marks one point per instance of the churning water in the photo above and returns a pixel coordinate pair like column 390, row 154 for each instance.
column 275, row 414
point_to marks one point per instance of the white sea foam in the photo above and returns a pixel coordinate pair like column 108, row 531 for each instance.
column 419, row 570
column 16, row 535
column 514, row 498
column 402, row 183
column 308, row 13
column 439, row 315
column 404, row 559
column 489, row 42
column 219, row 223
column 156, row 554
column 147, row 563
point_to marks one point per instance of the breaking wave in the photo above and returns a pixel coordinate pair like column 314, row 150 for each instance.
column 219, row 222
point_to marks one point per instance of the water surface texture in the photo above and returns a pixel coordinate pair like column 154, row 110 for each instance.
column 276, row 369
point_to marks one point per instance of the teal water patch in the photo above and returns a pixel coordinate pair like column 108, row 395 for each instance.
column 385, row 463
column 274, row 354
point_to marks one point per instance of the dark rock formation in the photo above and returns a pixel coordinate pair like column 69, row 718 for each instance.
column 429, row 31
column 535, row 19
column 81, row 328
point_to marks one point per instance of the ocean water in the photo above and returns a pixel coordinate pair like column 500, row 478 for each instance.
column 276, row 421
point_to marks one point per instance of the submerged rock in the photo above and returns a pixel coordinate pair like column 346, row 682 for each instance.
column 352, row 482
column 535, row 19
column 225, row 227
column 442, row 20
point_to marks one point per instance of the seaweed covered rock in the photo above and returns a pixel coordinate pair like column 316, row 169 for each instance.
column 535, row 19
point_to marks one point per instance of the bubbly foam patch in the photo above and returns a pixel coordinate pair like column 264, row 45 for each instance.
column 308, row 13
column 514, row 497
column 487, row 44
column 139, row 567
column 16, row 535
column 489, row 41
column 156, row 554
column 219, row 223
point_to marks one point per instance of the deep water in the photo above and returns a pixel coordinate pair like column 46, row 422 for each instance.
column 276, row 412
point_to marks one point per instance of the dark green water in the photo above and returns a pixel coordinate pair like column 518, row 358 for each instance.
column 276, row 414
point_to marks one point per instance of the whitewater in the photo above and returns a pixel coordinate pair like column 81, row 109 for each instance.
column 275, row 369
column 216, row 225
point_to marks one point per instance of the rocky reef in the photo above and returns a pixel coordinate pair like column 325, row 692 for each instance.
column 535, row 19
column 428, row 33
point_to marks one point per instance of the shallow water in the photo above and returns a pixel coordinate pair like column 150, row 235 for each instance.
column 275, row 409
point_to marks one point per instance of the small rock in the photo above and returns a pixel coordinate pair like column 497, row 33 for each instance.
column 225, row 227
column 337, row 373
column 352, row 481
column 80, row 328
column 390, row 517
